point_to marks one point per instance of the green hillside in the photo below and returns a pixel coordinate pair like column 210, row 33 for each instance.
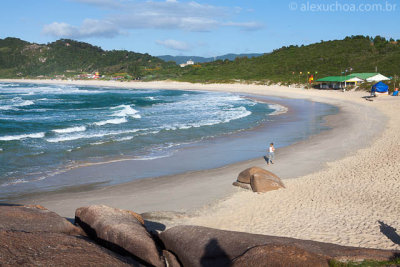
column 362, row 54
column 67, row 57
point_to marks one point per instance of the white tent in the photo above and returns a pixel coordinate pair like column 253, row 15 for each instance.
column 377, row 78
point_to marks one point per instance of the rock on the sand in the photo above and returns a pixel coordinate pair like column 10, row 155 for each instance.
column 280, row 255
column 262, row 183
column 242, row 185
column 18, row 248
column 34, row 219
column 118, row 229
column 245, row 176
column 202, row 246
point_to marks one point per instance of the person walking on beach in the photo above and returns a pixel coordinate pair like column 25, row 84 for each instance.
column 271, row 153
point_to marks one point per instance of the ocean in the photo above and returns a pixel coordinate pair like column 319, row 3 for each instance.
column 48, row 130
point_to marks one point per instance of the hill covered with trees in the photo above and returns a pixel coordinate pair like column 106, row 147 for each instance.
column 360, row 53
column 290, row 64
column 19, row 58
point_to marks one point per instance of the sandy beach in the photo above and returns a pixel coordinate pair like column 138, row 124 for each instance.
column 342, row 185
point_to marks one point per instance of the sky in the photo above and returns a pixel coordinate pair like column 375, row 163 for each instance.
column 195, row 27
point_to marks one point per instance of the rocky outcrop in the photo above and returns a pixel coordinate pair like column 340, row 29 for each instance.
column 119, row 230
column 19, row 248
column 34, row 219
column 259, row 179
column 279, row 255
column 262, row 183
column 201, row 246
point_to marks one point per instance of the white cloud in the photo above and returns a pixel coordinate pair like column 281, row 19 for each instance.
column 167, row 14
column 246, row 26
column 174, row 44
column 89, row 28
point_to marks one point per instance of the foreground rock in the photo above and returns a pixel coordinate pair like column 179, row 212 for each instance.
column 53, row 249
column 120, row 230
column 260, row 180
column 201, row 246
column 279, row 255
column 34, row 219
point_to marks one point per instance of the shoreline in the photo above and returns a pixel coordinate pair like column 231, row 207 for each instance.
column 317, row 162
column 209, row 153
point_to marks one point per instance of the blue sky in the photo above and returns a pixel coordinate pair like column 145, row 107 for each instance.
column 201, row 28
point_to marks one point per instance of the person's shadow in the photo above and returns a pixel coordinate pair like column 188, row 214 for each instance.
column 389, row 232
column 214, row 255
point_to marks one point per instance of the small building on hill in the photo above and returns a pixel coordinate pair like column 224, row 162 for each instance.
column 189, row 62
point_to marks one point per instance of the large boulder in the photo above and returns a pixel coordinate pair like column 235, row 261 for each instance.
column 34, row 219
column 19, row 248
column 120, row 230
column 245, row 176
column 280, row 255
column 262, row 183
column 201, row 246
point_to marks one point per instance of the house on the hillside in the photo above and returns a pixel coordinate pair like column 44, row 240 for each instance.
column 337, row 82
column 189, row 62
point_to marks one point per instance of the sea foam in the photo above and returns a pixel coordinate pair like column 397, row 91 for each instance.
column 70, row 130
column 125, row 110
column 22, row 136
column 112, row 121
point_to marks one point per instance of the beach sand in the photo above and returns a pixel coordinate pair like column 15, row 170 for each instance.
column 342, row 186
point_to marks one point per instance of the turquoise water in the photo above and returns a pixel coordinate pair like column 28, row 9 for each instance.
column 47, row 128
column 49, row 133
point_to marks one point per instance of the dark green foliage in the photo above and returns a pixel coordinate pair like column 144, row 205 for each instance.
column 362, row 54
column 69, row 57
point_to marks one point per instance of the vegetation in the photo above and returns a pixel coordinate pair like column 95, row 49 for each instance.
column 68, row 58
column 286, row 65
column 292, row 64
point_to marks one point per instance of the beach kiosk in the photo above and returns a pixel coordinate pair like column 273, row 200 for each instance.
column 380, row 88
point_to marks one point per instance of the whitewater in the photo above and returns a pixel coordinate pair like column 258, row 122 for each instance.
column 46, row 130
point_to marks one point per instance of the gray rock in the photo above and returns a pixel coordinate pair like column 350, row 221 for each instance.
column 119, row 230
column 35, row 219
column 280, row 255
column 170, row 259
column 19, row 248
column 201, row 246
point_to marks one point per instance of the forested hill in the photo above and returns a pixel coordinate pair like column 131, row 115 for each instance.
column 196, row 59
column 19, row 58
column 288, row 64
column 362, row 54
